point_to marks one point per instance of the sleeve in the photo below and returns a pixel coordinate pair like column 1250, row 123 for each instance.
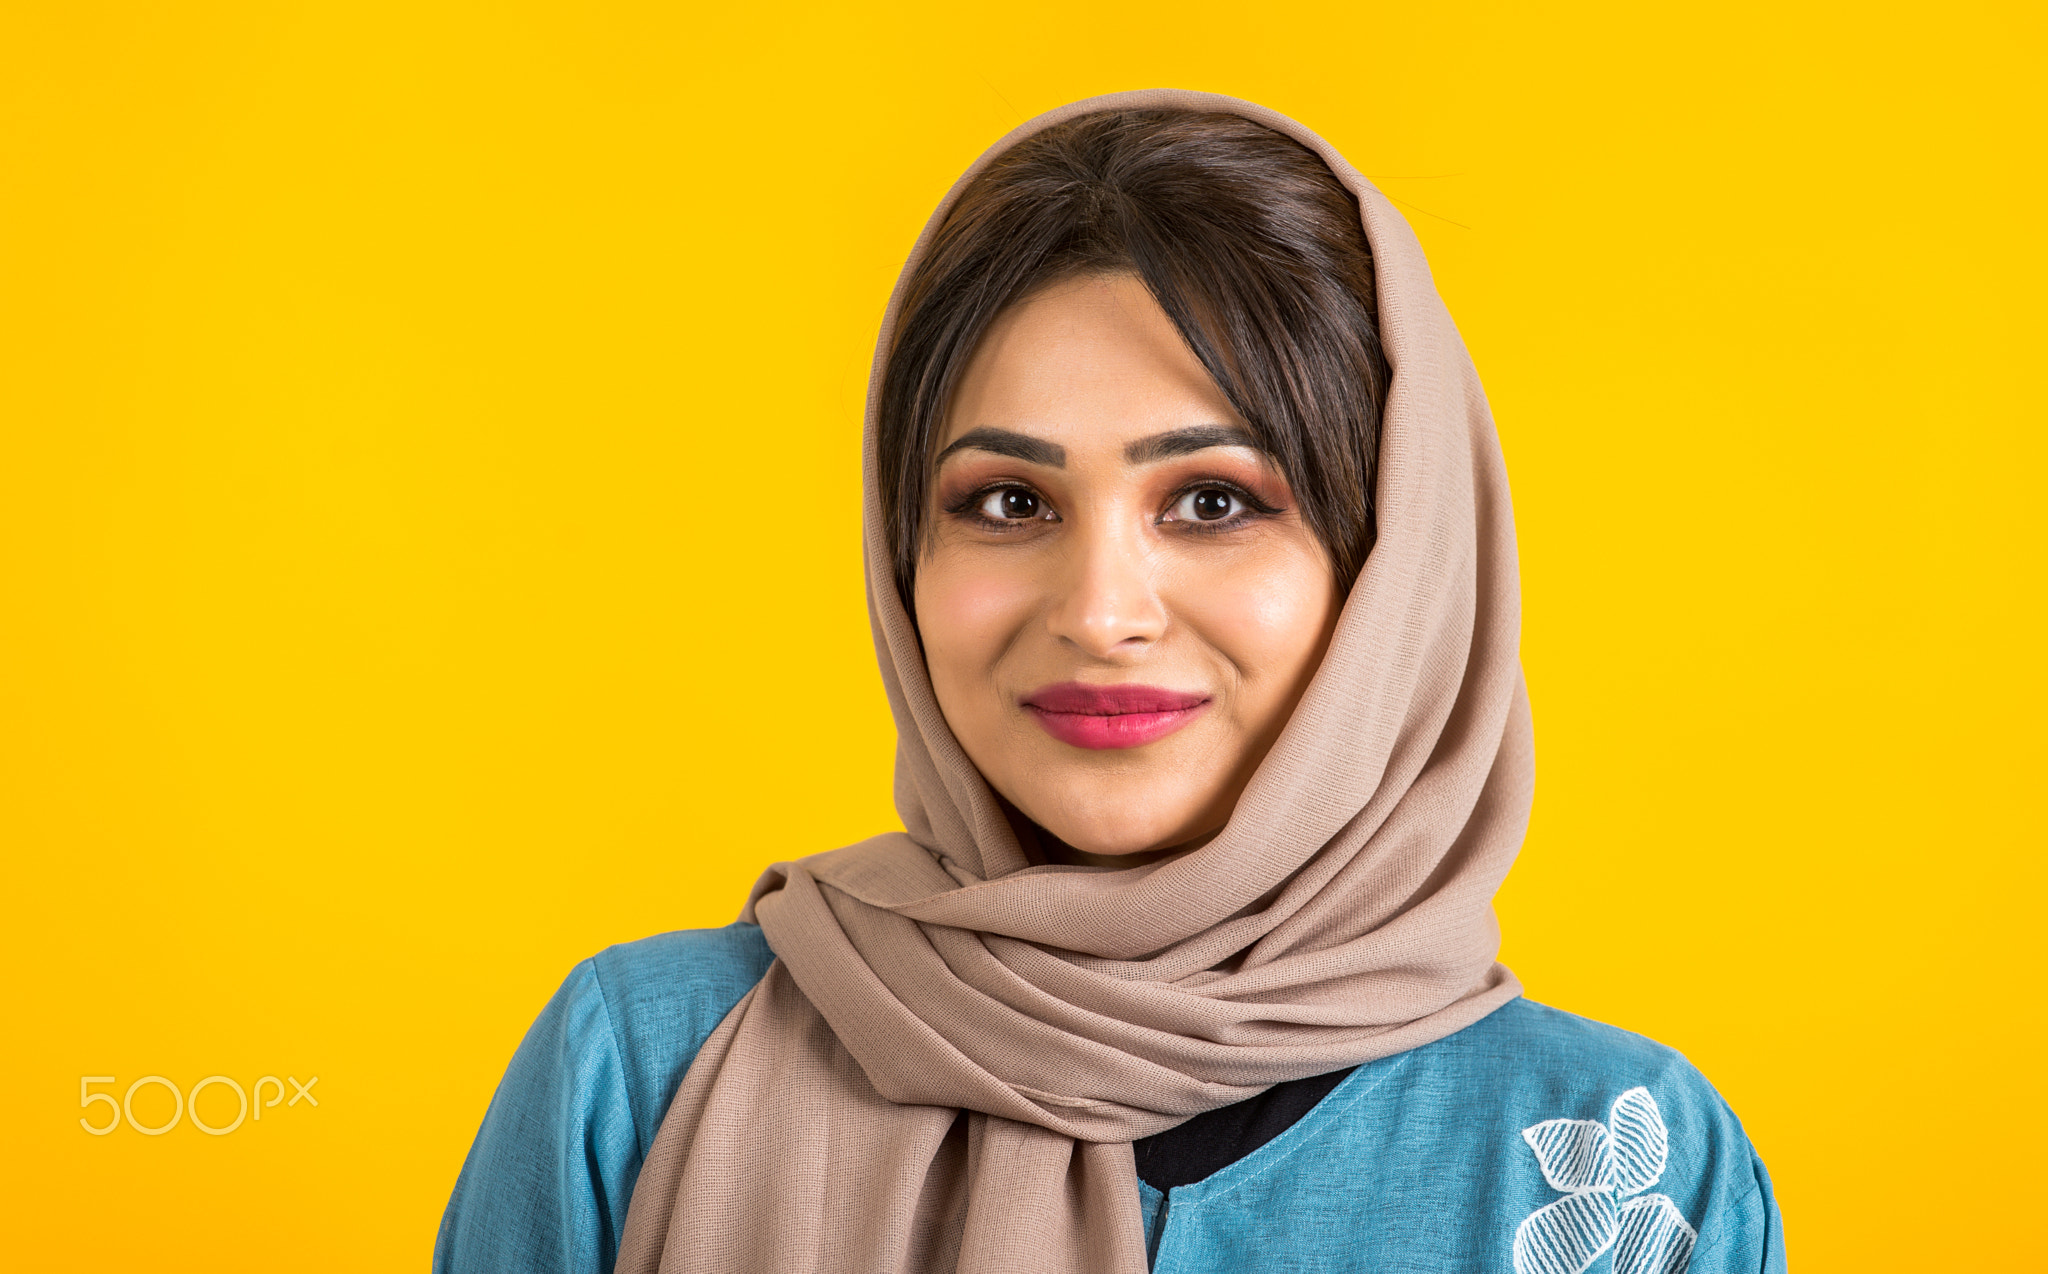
column 1746, row 1237
column 1774, row 1225
column 545, row 1186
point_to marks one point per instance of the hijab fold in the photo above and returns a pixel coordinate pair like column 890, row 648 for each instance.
column 947, row 1062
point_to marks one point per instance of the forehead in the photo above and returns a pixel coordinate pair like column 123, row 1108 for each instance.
column 1088, row 363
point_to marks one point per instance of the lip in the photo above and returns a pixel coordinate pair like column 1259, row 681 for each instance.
column 1111, row 716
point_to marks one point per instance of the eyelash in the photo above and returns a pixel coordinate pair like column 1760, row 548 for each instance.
column 968, row 506
column 1256, row 507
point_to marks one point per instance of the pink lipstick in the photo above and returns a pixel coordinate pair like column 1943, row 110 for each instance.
column 1114, row 716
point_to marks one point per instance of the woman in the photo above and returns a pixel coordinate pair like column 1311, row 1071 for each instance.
column 1194, row 587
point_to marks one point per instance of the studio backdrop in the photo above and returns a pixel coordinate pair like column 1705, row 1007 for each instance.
column 429, row 539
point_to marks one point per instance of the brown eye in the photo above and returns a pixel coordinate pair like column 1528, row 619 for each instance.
column 1206, row 504
column 1012, row 504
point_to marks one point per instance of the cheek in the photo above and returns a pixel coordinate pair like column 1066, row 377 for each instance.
column 1269, row 618
column 968, row 615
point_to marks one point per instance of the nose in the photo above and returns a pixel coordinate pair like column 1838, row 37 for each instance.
column 1108, row 602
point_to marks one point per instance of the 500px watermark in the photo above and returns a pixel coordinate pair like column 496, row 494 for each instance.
column 186, row 1105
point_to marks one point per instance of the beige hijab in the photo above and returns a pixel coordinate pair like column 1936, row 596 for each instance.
column 946, row 1064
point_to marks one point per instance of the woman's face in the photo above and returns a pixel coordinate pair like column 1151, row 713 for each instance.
column 1120, row 604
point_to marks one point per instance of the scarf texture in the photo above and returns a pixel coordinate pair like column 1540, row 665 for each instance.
column 947, row 1062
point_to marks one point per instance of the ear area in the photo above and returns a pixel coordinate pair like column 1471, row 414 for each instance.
column 1571, row 1152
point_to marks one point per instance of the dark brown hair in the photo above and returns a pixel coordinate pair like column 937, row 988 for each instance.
column 1244, row 237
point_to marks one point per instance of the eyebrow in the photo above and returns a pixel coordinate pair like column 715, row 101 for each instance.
column 1160, row 446
column 1005, row 442
column 1184, row 442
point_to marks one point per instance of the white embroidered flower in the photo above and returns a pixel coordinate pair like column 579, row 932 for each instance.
column 1598, row 1166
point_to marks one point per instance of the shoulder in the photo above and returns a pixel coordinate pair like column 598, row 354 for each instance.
column 662, row 998
column 672, row 978
column 549, row 1176
column 1571, row 1112
column 1536, row 1062
column 1527, row 1063
column 1550, row 1051
column 1532, row 1141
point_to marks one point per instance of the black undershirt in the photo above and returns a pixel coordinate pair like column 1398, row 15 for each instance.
column 1215, row 1139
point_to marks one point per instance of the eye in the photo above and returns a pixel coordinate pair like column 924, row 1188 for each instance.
column 1011, row 504
column 1206, row 504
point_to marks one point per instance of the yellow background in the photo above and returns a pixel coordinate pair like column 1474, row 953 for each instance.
column 428, row 500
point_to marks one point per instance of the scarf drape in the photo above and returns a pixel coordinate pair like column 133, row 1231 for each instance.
column 947, row 1062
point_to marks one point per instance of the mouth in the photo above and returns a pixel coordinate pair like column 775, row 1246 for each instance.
column 1114, row 716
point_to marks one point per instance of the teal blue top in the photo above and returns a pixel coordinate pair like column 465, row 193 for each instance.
column 1532, row 1142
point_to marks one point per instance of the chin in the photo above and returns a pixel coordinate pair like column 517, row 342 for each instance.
column 1112, row 847
column 1115, row 827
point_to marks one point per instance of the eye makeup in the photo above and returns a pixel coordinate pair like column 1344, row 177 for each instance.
column 972, row 480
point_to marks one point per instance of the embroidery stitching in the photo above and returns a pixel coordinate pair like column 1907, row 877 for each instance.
column 1597, row 1166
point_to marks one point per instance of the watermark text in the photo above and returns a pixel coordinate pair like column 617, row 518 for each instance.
column 185, row 1102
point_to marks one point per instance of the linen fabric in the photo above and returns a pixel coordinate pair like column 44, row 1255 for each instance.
column 1343, row 915
column 1419, row 1163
